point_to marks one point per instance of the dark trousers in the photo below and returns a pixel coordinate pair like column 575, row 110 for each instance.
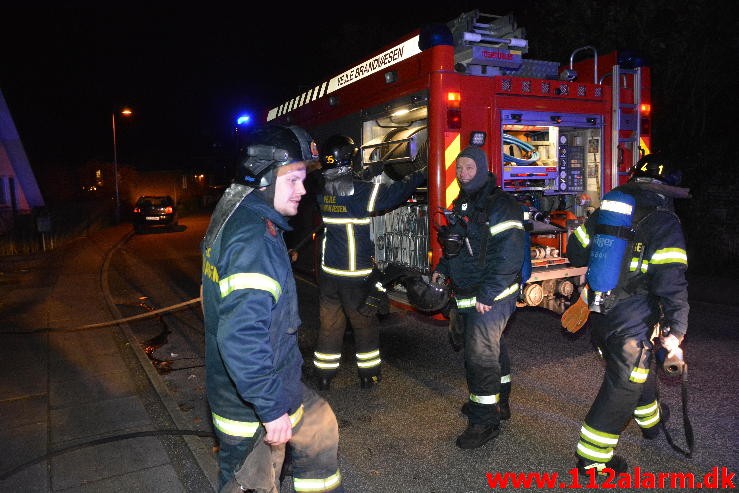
column 339, row 299
column 313, row 447
column 628, row 384
column 486, row 359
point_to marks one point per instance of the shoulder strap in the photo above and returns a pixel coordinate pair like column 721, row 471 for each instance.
column 482, row 217
column 225, row 207
column 632, row 279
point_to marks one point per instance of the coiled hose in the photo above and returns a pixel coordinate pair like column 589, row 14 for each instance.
column 510, row 139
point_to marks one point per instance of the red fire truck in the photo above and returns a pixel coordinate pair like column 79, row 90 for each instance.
column 559, row 137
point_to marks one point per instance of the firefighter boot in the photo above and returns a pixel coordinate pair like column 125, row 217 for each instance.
column 664, row 416
column 323, row 379
column 477, row 435
column 504, row 407
column 369, row 381
column 505, row 400
column 617, row 463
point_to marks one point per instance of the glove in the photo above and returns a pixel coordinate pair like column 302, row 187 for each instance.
column 670, row 343
column 376, row 301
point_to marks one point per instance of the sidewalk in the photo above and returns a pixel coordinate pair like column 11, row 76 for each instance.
column 78, row 411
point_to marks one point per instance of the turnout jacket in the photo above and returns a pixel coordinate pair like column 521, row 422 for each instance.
column 652, row 279
column 347, row 248
column 492, row 221
column 251, row 318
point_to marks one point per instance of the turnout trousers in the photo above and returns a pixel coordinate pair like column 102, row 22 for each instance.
column 339, row 300
column 313, row 451
column 628, row 390
column 486, row 361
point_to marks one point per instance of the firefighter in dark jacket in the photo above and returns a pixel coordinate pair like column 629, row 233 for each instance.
column 483, row 246
column 346, row 205
column 651, row 290
column 253, row 362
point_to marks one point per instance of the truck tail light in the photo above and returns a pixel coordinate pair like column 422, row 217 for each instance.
column 453, row 111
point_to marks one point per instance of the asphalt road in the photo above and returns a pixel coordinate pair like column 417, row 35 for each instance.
column 399, row 437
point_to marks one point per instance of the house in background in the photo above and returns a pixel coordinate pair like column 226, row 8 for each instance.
column 19, row 191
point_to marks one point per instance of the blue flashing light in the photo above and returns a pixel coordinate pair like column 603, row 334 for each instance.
column 243, row 120
column 435, row 35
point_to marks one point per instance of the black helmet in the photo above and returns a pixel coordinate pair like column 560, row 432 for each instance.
column 657, row 167
column 426, row 296
column 338, row 153
column 270, row 147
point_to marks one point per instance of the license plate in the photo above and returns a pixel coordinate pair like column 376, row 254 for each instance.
column 152, row 218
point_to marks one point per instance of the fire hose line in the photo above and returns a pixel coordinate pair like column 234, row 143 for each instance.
column 109, row 323
column 101, row 441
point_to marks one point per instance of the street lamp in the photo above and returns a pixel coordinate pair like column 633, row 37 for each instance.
column 124, row 112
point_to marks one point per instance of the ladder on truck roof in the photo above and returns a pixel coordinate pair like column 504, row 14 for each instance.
column 625, row 117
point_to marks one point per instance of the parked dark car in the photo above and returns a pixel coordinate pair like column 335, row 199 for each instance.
column 154, row 211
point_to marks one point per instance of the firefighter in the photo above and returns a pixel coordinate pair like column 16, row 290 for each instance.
column 651, row 288
column 253, row 362
column 483, row 245
column 346, row 204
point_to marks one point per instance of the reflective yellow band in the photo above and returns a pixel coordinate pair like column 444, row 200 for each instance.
column 504, row 226
column 317, row 485
column 586, row 450
column 369, row 359
column 325, row 366
column 582, row 236
column 373, row 197
column 670, row 256
column 466, row 302
column 505, row 379
column 346, row 273
column 297, row 416
column 470, row 302
column 647, row 410
column 648, row 422
column 326, row 356
column 250, row 280
column 513, row 288
column 351, row 247
column 635, row 263
column 235, row 428
column 484, row 399
column 346, row 220
column 247, row 429
column 598, row 437
column 639, row 375
column 369, row 363
column 369, row 354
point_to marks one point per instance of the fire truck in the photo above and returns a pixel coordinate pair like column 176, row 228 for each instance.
column 558, row 136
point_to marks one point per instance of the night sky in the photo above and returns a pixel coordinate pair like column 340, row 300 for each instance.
column 185, row 73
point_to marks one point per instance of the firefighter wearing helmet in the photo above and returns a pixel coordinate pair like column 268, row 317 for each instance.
column 253, row 363
column 346, row 204
column 647, row 297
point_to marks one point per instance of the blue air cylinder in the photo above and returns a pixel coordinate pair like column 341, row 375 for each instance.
column 609, row 246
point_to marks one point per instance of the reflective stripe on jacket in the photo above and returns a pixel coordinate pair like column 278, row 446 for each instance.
column 251, row 318
column 654, row 268
column 491, row 276
column 347, row 247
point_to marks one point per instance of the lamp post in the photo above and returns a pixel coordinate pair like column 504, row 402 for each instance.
column 124, row 112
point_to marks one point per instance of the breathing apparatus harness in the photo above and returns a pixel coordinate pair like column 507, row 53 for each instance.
column 453, row 236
